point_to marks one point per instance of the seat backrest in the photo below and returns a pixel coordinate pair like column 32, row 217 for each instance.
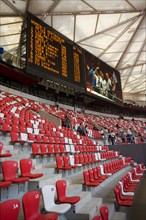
column 31, row 211
column 104, row 212
column 25, row 166
column 48, row 193
column 66, row 161
column 1, row 147
column 35, row 148
column 59, row 161
column 97, row 218
column 61, row 189
column 9, row 169
column 86, row 176
column 9, row 209
column 43, row 148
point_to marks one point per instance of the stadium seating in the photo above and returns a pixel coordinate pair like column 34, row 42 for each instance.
column 9, row 169
column 48, row 193
column 61, row 193
column 31, row 212
column 26, row 168
column 10, row 209
column 104, row 212
column 4, row 154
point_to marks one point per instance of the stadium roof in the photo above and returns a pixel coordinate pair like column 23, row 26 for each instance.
column 113, row 30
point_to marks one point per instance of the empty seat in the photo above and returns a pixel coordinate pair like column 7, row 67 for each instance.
column 26, row 167
column 104, row 212
column 120, row 202
column 30, row 203
column 97, row 218
column 9, row 169
column 48, row 193
column 10, row 209
column 5, row 184
column 6, row 154
column 61, row 193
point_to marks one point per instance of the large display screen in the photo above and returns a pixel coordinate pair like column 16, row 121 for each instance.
column 101, row 79
column 52, row 56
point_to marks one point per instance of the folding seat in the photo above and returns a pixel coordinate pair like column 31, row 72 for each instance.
column 66, row 162
column 120, row 202
column 72, row 162
column 124, row 192
column 96, row 177
column 44, row 149
column 100, row 175
column 22, row 129
column 26, row 168
column 48, row 193
column 87, row 181
column 31, row 201
column 45, row 139
column 81, row 159
column 15, row 137
column 36, row 149
column 61, row 193
column 15, row 128
column 5, row 127
column 56, row 149
column 31, row 137
column 38, row 138
column 5, row 154
column 123, row 197
column 97, row 218
column 60, row 164
column 104, row 212
column 102, row 170
column 91, row 177
column 132, row 179
column 4, row 184
column 10, row 209
column 51, row 140
column 51, row 149
column 9, row 170
column 62, row 149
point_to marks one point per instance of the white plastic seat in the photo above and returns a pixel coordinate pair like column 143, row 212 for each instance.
column 48, row 193
column 72, row 161
column 131, row 179
column 125, row 193
column 137, row 174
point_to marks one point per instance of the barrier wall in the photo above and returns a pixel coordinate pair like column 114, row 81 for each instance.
column 136, row 151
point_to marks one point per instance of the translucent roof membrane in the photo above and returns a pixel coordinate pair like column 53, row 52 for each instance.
column 113, row 30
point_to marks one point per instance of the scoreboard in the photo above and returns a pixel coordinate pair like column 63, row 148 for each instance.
column 52, row 56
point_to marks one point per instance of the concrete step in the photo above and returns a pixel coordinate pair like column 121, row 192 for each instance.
column 44, row 180
column 45, row 171
column 119, row 216
column 73, row 189
column 91, row 208
column 85, row 197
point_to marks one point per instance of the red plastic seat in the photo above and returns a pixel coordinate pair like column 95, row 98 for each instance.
column 87, row 180
column 43, row 148
column 6, row 154
column 120, row 202
column 10, row 209
column 60, row 164
column 97, row 218
column 61, row 193
column 5, row 184
column 30, row 203
column 9, row 169
column 26, row 167
column 104, row 212
column 36, row 149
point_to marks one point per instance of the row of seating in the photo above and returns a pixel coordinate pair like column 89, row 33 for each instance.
column 48, row 149
column 96, row 175
column 9, row 172
column 12, row 207
column 124, row 190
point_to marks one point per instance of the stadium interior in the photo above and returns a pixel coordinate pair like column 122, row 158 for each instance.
column 72, row 110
